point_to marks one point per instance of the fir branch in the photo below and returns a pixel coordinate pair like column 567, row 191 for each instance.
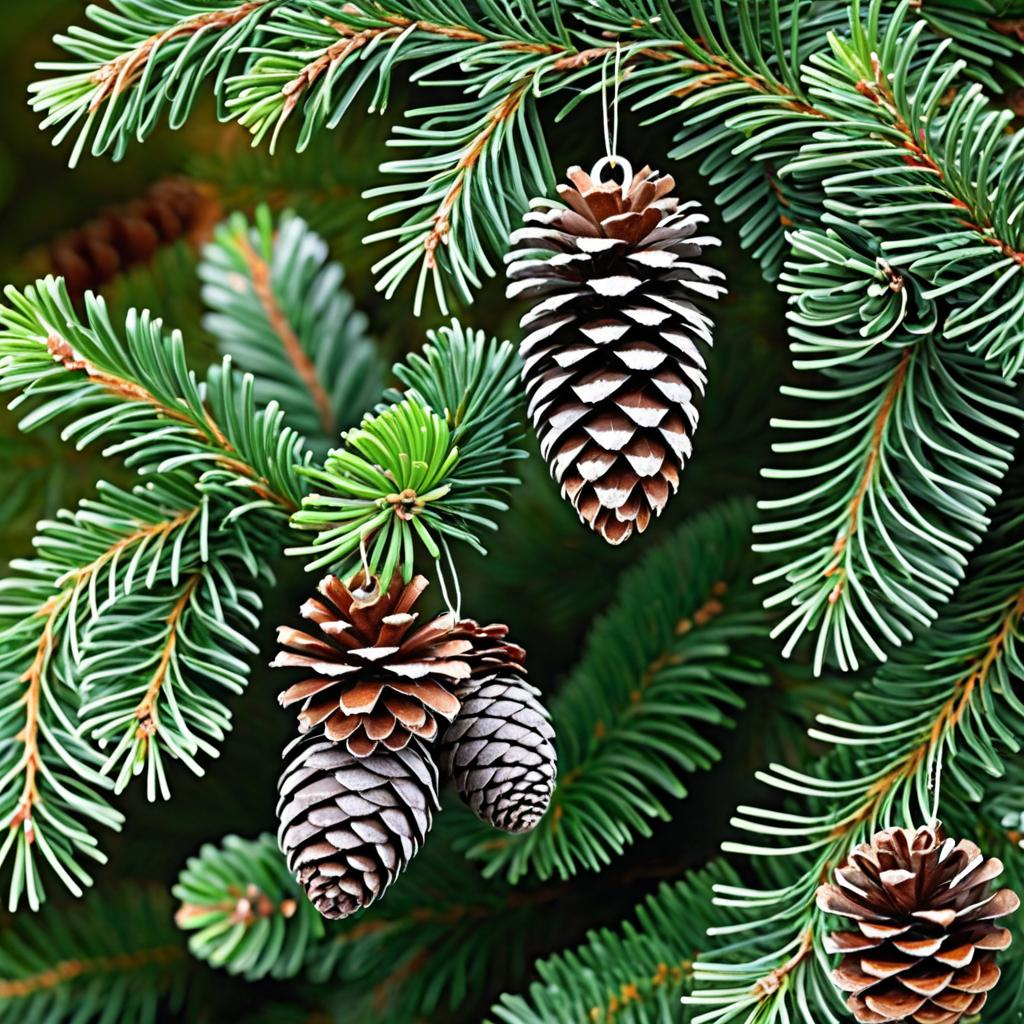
column 633, row 976
column 877, row 531
column 412, row 474
column 246, row 912
column 670, row 654
column 947, row 712
column 141, row 60
column 138, row 389
column 279, row 311
column 76, row 637
column 116, row 949
column 154, row 657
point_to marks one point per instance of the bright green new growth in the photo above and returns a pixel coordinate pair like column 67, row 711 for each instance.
column 428, row 466
column 385, row 491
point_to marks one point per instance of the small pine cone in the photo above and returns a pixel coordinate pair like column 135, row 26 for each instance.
column 500, row 753
column 610, row 361
column 349, row 826
column 374, row 679
column 926, row 939
column 129, row 234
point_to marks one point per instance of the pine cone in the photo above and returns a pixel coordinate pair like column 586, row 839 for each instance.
column 926, row 941
column 349, row 826
column 611, row 364
column 375, row 680
column 129, row 234
column 500, row 753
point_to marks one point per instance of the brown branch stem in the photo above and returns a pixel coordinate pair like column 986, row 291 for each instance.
column 117, row 75
column 130, row 391
column 262, row 285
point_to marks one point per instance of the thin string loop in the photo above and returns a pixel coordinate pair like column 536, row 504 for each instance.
column 935, row 784
column 367, row 575
column 611, row 117
column 454, row 607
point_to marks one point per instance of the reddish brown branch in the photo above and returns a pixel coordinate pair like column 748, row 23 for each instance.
column 438, row 234
column 117, row 75
column 67, row 970
column 870, row 466
column 145, row 712
column 130, row 391
column 259, row 271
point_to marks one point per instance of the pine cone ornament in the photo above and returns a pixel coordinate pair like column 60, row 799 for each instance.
column 611, row 363
column 373, row 678
column 500, row 753
column 926, row 939
column 349, row 826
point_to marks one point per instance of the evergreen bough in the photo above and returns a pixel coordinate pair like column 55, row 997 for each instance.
column 865, row 154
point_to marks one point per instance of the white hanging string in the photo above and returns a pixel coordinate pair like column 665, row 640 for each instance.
column 935, row 784
column 456, row 607
column 611, row 116
column 367, row 575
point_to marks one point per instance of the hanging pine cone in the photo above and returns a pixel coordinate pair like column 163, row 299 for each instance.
column 610, row 361
column 926, row 939
column 349, row 826
column 373, row 678
column 500, row 753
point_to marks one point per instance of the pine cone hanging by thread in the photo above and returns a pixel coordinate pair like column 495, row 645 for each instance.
column 373, row 678
column 349, row 826
column 611, row 360
column 926, row 939
column 500, row 753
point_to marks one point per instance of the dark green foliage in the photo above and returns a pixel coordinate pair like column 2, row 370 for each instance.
column 925, row 738
column 633, row 976
column 114, row 958
column 246, row 912
column 666, row 662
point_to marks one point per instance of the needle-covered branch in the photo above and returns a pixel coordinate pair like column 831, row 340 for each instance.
column 133, row 390
column 278, row 309
column 924, row 741
column 670, row 658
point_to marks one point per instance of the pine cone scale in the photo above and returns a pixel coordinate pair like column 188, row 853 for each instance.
column 379, row 682
column 500, row 754
column 610, row 360
column 924, row 949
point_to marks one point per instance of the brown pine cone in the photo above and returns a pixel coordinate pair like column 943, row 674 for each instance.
column 129, row 234
column 374, row 679
column 611, row 361
column 500, row 753
column 926, row 939
column 349, row 826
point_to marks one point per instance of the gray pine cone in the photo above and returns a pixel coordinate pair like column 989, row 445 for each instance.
column 500, row 753
column 350, row 825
